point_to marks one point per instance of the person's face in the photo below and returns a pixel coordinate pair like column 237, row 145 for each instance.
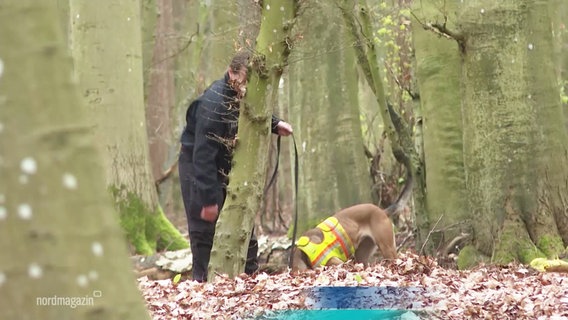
column 239, row 80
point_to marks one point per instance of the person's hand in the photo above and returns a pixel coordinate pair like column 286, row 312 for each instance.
column 284, row 128
column 210, row 213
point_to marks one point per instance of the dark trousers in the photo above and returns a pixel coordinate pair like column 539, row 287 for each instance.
column 201, row 243
column 201, row 232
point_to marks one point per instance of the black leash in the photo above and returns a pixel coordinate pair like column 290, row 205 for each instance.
column 276, row 167
column 295, row 227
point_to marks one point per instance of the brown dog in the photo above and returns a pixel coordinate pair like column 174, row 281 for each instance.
column 352, row 233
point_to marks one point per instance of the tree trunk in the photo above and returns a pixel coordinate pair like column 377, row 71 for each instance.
column 205, row 44
column 148, row 20
column 391, row 38
column 438, row 68
column 106, row 45
column 221, row 34
column 62, row 251
column 270, row 219
column 552, row 142
column 305, row 108
column 190, row 17
column 344, row 137
column 559, row 11
column 514, row 135
column 248, row 175
column 248, row 13
column 356, row 17
column 161, row 90
column 160, row 102
column 334, row 170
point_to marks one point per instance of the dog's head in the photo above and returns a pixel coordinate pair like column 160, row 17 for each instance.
column 300, row 261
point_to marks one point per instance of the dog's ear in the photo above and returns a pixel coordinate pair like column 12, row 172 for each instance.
column 300, row 261
column 305, row 260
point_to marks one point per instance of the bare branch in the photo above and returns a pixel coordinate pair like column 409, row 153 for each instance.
column 165, row 175
column 182, row 49
column 429, row 234
column 442, row 30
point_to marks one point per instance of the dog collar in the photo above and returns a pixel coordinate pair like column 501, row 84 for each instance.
column 336, row 243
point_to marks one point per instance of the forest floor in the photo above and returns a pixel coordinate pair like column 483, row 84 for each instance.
column 412, row 287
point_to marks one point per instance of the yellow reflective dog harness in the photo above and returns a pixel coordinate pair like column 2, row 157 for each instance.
column 336, row 243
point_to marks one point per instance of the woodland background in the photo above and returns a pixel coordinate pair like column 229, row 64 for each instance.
column 93, row 97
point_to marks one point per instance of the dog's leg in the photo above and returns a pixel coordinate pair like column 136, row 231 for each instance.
column 384, row 236
column 365, row 250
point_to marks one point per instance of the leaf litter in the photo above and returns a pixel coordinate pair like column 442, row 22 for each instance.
column 486, row 292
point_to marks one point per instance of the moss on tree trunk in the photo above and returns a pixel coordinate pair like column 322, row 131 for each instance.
column 147, row 230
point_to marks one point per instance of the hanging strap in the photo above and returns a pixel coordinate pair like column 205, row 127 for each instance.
column 275, row 167
column 295, row 228
column 272, row 179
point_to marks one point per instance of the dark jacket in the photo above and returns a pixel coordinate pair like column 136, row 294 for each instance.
column 211, row 126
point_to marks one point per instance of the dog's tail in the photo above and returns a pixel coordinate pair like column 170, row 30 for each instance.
column 404, row 196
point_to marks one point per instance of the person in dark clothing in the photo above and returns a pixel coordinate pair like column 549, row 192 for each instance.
column 205, row 161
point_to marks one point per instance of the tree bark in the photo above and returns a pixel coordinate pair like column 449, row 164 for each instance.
column 221, row 34
column 514, row 135
column 559, row 11
column 160, row 102
column 307, row 72
column 106, row 46
column 248, row 13
column 334, row 170
column 248, row 175
column 161, row 90
column 62, row 251
column 438, row 66
column 343, row 137
column 357, row 19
